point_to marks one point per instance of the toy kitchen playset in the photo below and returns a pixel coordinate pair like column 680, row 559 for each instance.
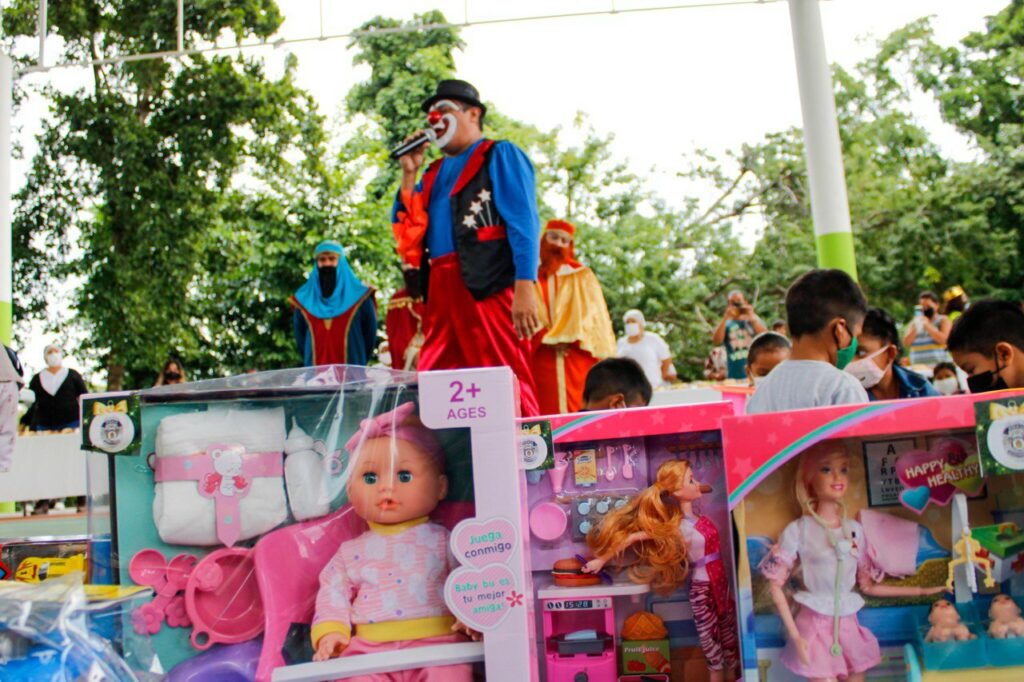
column 594, row 482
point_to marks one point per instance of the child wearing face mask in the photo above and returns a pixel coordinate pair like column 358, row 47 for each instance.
column 767, row 350
column 987, row 342
column 945, row 380
column 876, row 366
column 825, row 310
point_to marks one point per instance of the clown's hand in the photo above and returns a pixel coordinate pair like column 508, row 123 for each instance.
column 330, row 646
column 412, row 161
column 525, row 311
column 459, row 626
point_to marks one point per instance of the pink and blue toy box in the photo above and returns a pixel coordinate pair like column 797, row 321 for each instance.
column 578, row 469
column 927, row 477
column 233, row 499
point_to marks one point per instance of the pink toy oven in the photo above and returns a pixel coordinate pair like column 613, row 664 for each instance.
column 564, row 502
column 568, row 610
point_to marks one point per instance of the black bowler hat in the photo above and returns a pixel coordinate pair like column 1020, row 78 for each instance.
column 455, row 89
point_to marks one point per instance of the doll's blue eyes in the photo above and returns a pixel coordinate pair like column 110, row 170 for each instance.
column 369, row 478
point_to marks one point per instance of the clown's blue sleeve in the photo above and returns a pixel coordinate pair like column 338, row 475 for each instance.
column 515, row 195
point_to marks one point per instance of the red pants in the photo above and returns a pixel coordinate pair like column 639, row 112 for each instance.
column 462, row 332
column 555, row 384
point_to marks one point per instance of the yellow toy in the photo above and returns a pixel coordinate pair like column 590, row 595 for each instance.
column 968, row 551
column 36, row 569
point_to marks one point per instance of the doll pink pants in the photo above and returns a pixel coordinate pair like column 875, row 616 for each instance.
column 446, row 673
column 860, row 648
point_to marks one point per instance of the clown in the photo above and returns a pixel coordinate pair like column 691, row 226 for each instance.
column 470, row 226
column 335, row 313
column 577, row 328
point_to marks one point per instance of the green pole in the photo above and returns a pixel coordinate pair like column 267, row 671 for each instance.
column 830, row 208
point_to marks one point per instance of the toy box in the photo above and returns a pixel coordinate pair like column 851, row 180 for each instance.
column 934, row 536
column 579, row 470
column 644, row 655
column 247, row 505
column 36, row 559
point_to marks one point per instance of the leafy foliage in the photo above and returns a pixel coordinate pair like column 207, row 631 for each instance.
column 183, row 197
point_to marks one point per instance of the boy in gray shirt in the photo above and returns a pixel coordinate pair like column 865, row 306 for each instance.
column 825, row 310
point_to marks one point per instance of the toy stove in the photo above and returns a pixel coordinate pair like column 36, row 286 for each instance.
column 579, row 630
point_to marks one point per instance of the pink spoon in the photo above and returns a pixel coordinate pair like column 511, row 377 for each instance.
column 177, row 577
column 148, row 567
column 609, row 470
column 627, row 464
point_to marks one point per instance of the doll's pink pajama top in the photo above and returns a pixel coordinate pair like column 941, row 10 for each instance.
column 387, row 585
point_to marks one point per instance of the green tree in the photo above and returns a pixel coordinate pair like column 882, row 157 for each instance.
column 977, row 87
column 404, row 70
column 133, row 173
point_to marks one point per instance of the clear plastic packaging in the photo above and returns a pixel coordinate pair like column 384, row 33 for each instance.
column 61, row 630
column 241, row 495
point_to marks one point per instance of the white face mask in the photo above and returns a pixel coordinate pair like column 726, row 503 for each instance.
column 53, row 360
column 632, row 329
column 866, row 371
column 385, row 359
column 947, row 386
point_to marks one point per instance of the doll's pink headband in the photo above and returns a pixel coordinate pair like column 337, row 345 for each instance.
column 396, row 423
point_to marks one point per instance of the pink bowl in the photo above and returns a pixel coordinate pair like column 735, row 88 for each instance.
column 223, row 599
column 548, row 521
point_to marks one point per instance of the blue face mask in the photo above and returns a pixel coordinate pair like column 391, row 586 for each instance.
column 845, row 356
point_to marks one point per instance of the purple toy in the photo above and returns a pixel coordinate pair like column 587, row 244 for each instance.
column 228, row 663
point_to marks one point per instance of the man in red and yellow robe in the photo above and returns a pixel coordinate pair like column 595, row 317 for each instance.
column 577, row 330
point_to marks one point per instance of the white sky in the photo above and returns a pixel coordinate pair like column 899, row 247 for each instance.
column 663, row 82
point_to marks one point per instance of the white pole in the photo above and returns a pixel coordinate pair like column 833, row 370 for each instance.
column 830, row 208
column 181, row 25
column 41, row 29
column 6, row 90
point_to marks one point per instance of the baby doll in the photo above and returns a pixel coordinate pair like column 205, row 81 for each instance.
column 671, row 541
column 945, row 624
column 1005, row 616
column 825, row 640
column 383, row 590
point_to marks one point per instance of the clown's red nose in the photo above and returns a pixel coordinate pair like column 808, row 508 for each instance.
column 434, row 117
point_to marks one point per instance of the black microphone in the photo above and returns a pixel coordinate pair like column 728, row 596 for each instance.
column 415, row 143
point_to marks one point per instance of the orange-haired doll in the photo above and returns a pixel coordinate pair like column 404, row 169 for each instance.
column 672, row 542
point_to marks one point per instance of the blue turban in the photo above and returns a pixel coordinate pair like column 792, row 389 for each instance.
column 347, row 291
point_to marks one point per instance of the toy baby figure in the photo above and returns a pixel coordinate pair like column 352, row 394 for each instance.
column 383, row 590
column 670, row 542
column 1005, row 616
column 825, row 640
column 945, row 624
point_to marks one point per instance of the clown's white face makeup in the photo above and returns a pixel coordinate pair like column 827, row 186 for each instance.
column 441, row 118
